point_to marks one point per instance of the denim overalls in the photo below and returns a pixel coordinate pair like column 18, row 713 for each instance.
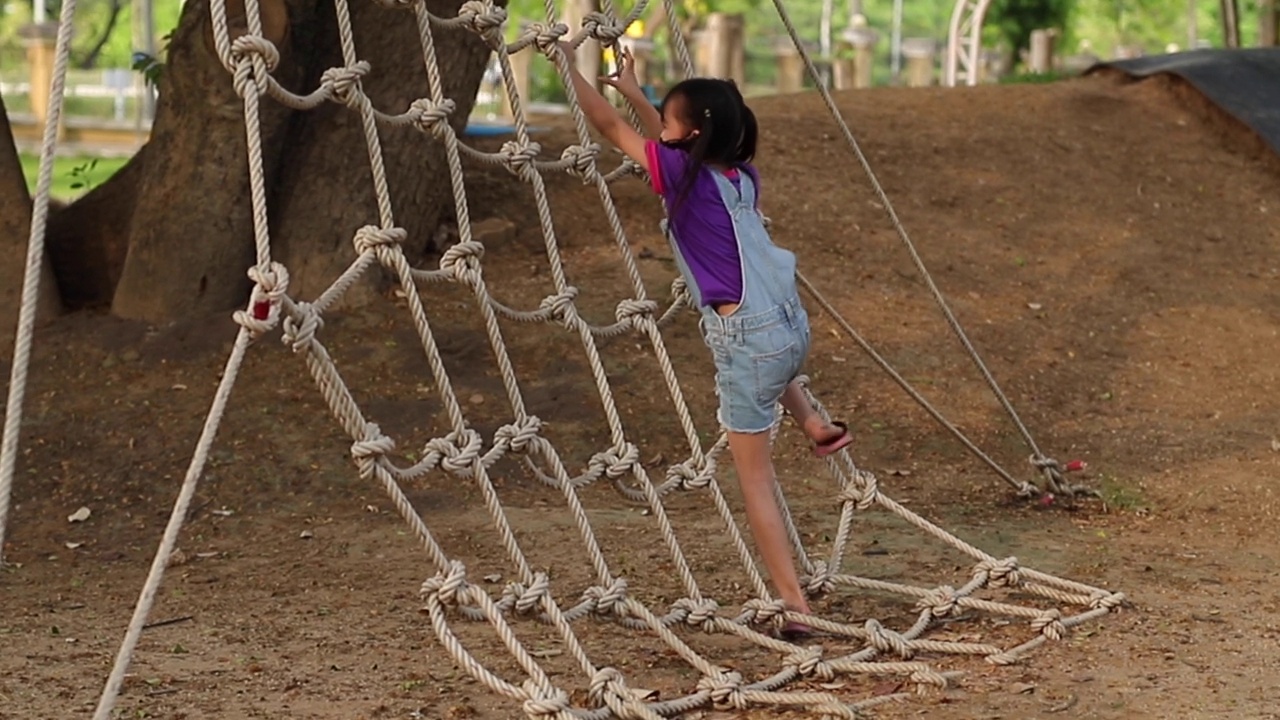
column 760, row 347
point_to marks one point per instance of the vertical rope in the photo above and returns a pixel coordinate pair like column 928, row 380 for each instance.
column 35, row 260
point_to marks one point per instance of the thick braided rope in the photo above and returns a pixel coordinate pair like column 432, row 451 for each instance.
column 31, row 274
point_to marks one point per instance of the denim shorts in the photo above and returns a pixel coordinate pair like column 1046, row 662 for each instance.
column 756, row 356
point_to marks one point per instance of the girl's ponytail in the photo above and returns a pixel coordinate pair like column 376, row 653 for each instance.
column 750, row 134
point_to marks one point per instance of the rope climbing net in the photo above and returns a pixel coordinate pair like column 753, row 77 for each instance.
column 1050, row 607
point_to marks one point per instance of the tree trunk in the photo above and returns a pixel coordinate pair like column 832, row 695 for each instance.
column 190, row 235
column 326, row 188
column 1268, row 23
column 15, row 230
column 182, row 207
column 88, row 241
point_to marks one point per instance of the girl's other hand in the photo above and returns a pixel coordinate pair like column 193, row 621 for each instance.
column 624, row 78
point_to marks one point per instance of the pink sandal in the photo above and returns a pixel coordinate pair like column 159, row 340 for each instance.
column 835, row 444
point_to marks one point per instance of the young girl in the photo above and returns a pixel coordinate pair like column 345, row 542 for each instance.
column 698, row 152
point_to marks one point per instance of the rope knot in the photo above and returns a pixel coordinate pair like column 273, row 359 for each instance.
column 545, row 37
column 688, row 475
column 561, row 306
column 885, row 640
column 518, row 435
column 270, row 284
column 820, row 582
column 1049, row 622
column 519, row 157
column 725, row 689
column 432, row 117
column 940, row 603
column 252, row 59
column 369, row 450
column 808, row 662
column 447, row 586
column 635, row 313
column 247, row 47
column 631, row 167
column 1041, row 462
column 582, row 161
column 456, row 452
column 484, row 19
column 606, row 601
column 861, row 492
column 372, row 238
column 761, row 611
column 301, row 326
column 606, row 680
column 545, row 702
column 615, row 462
column 925, row 678
column 700, row 613
column 604, row 28
column 342, row 84
column 1104, row 599
column 999, row 573
column 526, row 599
column 680, row 291
column 462, row 260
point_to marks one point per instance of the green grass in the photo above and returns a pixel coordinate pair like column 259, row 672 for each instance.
column 73, row 175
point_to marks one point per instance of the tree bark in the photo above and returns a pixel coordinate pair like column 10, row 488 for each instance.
column 326, row 186
column 189, row 227
column 1268, row 23
column 88, row 240
column 15, row 230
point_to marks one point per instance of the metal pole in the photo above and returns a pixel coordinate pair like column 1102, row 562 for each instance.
column 895, row 42
column 149, row 47
column 41, row 13
column 1193, row 24
column 825, row 39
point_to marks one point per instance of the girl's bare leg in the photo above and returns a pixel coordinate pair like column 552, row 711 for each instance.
column 753, row 461
column 806, row 417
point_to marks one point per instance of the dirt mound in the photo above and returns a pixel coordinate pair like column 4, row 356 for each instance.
column 1110, row 253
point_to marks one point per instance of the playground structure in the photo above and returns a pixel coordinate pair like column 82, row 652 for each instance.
column 1049, row 605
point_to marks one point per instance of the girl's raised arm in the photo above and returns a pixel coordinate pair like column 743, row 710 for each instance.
column 602, row 115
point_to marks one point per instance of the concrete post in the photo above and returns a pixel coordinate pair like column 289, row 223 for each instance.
column 844, row 72
column 863, row 41
column 1042, row 51
column 919, row 54
column 790, row 68
column 725, row 47
column 41, row 42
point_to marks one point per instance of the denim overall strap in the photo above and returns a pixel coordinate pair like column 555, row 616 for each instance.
column 768, row 271
column 690, row 283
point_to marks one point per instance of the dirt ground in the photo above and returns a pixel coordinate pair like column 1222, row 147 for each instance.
column 1111, row 249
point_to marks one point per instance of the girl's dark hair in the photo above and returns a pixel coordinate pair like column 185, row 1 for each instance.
column 727, row 130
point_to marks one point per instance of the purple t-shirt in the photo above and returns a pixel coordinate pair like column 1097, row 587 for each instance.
column 702, row 227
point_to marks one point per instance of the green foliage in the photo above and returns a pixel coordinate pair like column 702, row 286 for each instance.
column 81, row 175
column 150, row 66
column 1014, row 20
column 1032, row 79
column 70, row 173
